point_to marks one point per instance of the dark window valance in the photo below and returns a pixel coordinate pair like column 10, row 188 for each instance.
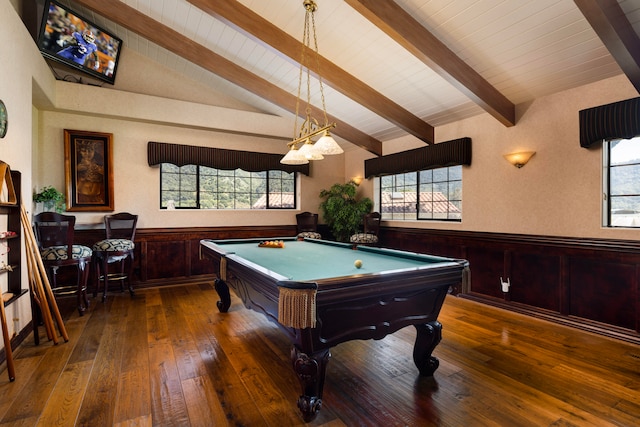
column 617, row 120
column 218, row 158
column 443, row 154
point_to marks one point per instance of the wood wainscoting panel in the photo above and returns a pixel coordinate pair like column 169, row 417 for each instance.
column 536, row 280
column 587, row 283
column 592, row 284
column 164, row 259
column 487, row 267
column 604, row 290
column 164, row 255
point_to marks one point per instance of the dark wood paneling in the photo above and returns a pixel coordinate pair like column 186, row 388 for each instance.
column 589, row 283
column 486, row 266
column 535, row 280
column 433, row 244
column 166, row 254
column 165, row 259
column 199, row 265
column 603, row 291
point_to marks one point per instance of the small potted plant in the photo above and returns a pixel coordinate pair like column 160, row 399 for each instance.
column 342, row 211
column 51, row 199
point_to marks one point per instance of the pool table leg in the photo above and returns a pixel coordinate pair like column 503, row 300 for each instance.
column 311, row 372
column 225, row 297
column 428, row 337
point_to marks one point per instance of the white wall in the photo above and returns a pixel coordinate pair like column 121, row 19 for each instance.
column 21, row 70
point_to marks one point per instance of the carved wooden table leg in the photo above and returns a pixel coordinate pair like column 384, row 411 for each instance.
column 225, row 297
column 428, row 337
column 311, row 372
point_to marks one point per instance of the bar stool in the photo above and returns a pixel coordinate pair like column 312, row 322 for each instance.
column 117, row 248
column 54, row 233
column 369, row 236
column 307, row 225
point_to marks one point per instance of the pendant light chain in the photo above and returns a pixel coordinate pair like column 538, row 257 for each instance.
column 317, row 56
column 303, row 148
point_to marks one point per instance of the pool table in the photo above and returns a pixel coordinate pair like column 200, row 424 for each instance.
column 320, row 298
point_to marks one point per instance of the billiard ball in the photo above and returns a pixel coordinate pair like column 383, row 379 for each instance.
column 358, row 263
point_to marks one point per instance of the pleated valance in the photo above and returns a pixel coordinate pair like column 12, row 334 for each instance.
column 617, row 120
column 218, row 158
column 443, row 154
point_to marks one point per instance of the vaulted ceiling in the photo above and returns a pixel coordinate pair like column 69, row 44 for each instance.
column 390, row 68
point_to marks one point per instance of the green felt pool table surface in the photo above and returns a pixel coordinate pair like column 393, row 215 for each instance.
column 316, row 260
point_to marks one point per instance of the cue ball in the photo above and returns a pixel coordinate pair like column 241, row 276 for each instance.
column 358, row 263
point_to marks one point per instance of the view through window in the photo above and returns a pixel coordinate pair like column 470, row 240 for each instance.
column 434, row 194
column 201, row 187
column 621, row 204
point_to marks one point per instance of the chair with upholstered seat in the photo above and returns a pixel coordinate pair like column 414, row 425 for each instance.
column 307, row 223
column 55, row 233
column 117, row 249
column 371, row 227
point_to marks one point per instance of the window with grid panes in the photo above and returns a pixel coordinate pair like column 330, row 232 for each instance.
column 201, row 187
column 434, row 194
column 621, row 183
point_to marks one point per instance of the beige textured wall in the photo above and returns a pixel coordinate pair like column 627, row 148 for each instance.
column 354, row 168
column 557, row 193
column 137, row 185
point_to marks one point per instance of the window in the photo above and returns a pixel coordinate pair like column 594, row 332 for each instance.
column 621, row 202
column 202, row 187
column 434, row 194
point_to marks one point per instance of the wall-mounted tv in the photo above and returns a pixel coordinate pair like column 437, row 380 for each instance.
column 68, row 38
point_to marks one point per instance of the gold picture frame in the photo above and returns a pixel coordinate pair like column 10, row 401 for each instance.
column 88, row 167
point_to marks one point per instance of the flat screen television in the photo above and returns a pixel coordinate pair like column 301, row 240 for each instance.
column 70, row 39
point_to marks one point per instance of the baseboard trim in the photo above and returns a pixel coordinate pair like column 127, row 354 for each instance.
column 587, row 325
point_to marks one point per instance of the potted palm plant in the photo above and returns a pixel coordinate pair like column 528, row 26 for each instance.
column 51, row 199
column 342, row 211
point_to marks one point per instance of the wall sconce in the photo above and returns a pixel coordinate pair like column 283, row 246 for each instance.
column 519, row 159
column 357, row 179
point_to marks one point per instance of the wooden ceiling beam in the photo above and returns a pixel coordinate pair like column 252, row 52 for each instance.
column 246, row 21
column 608, row 20
column 158, row 33
column 410, row 34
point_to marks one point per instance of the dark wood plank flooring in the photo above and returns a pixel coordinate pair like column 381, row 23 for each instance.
column 168, row 358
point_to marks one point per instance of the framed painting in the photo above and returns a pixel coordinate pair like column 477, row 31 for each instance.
column 88, row 170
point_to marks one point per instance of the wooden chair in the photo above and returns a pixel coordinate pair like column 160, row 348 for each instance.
column 54, row 233
column 308, row 225
column 117, row 248
column 371, row 227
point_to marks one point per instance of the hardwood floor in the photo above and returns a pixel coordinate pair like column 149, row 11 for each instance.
column 169, row 358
